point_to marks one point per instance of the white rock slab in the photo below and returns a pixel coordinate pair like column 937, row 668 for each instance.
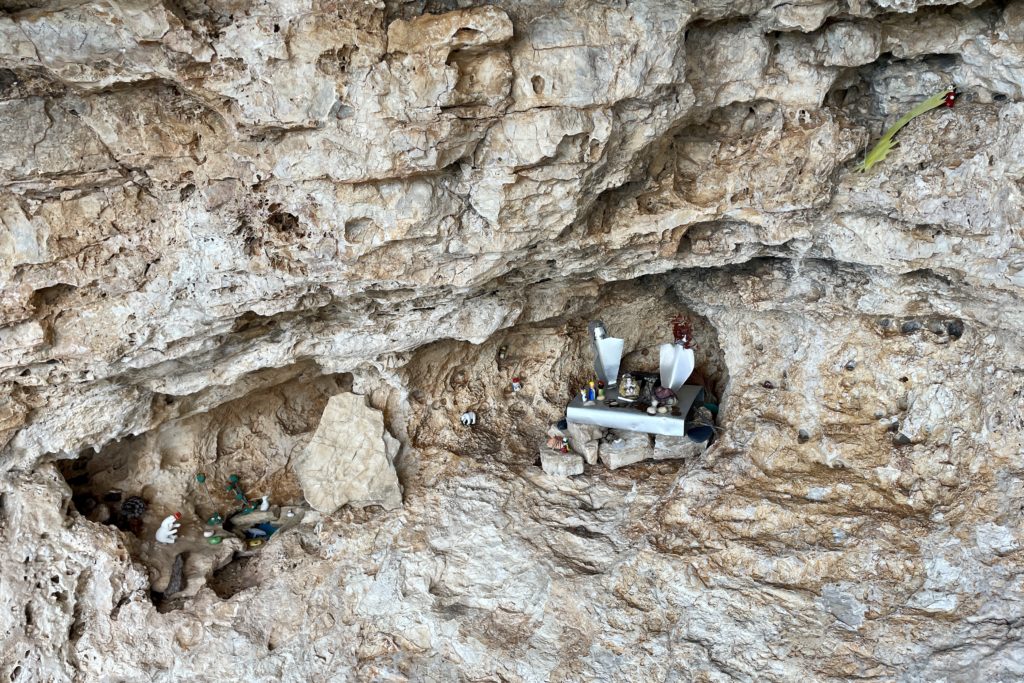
column 349, row 461
column 625, row 448
column 586, row 440
column 677, row 447
column 560, row 464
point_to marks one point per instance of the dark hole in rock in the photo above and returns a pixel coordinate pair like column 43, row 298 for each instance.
column 910, row 326
column 282, row 221
column 538, row 85
column 466, row 35
column 234, row 578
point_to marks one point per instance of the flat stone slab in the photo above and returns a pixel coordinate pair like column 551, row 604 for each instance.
column 625, row 448
column 677, row 448
column 561, row 464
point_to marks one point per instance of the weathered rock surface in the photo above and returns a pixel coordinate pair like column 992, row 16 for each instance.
column 216, row 216
column 623, row 448
column 560, row 464
column 349, row 460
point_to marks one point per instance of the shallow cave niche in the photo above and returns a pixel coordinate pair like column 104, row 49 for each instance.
column 553, row 359
column 185, row 466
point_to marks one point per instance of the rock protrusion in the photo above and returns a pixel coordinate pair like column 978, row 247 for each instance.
column 350, row 459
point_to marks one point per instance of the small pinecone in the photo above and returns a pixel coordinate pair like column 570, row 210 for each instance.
column 133, row 508
column 129, row 517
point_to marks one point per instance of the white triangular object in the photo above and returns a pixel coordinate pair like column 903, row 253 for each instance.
column 676, row 365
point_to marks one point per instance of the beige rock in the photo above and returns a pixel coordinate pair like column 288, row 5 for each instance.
column 622, row 448
column 350, row 459
column 586, row 440
column 560, row 464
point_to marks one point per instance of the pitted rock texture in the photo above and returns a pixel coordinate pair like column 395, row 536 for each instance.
column 216, row 216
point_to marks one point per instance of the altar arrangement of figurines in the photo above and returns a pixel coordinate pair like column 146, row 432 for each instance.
column 637, row 416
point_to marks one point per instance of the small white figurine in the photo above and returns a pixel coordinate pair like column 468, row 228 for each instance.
column 469, row 418
column 265, row 505
column 168, row 531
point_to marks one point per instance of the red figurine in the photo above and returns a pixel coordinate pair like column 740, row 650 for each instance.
column 950, row 99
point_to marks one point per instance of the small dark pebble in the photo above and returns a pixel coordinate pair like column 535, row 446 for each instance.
column 885, row 323
column 802, row 436
column 851, row 365
column 910, row 326
column 900, row 439
column 768, row 385
column 955, row 328
column 563, row 425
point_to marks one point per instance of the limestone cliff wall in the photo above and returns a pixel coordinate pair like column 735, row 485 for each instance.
column 203, row 200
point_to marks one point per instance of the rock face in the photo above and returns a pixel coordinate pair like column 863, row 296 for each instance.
column 349, row 459
column 218, row 217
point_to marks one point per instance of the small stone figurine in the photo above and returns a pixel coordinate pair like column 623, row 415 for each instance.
column 517, row 384
column 468, row 418
column 168, row 531
column 565, row 445
column 591, row 391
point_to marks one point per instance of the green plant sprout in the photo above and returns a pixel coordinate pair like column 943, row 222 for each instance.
column 886, row 144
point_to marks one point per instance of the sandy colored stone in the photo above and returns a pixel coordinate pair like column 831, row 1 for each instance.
column 349, row 460
column 560, row 464
column 621, row 448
